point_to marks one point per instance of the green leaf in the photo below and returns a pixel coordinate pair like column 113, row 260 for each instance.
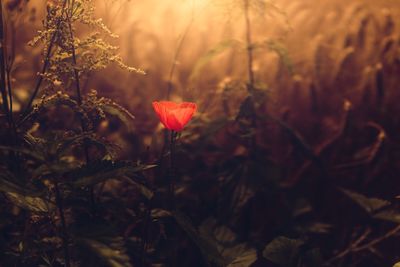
column 111, row 253
column 34, row 204
column 375, row 207
column 142, row 188
column 207, row 246
column 9, row 184
column 391, row 215
column 368, row 204
column 99, row 243
column 283, row 251
column 101, row 171
column 160, row 213
column 245, row 259
column 23, row 195
column 28, row 152
column 121, row 113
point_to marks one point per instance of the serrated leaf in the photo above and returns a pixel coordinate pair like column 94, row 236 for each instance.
column 34, row 204
column 283, row 251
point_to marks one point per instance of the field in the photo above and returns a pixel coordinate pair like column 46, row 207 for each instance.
column 291, row 158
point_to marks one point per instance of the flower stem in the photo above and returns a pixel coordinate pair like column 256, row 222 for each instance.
column 79, row 96
column 172, row 171
column 251, row 81
column 249, row 45
column 64, row 233
column 3, row 70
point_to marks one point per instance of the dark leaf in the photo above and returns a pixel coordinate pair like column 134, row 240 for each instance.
column 101, row 171
column 283, row 251
column 368, row 204
column 207, row 246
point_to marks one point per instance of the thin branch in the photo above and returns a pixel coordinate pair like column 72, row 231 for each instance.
column 79, row 95
column 3, row 68
column 64, row 232
column 177, row 52
column 249, row 46
column 356, row 247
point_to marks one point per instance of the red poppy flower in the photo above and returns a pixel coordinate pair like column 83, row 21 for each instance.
column 174, row 116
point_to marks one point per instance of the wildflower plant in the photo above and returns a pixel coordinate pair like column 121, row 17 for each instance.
column 71, row 53
column 55, row 169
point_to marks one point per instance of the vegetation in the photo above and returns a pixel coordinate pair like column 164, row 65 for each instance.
column 291, row 158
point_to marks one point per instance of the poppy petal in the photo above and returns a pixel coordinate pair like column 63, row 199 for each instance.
column 172, row 115
column 173, row 122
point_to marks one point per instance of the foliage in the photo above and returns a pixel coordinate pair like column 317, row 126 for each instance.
column 291, row 160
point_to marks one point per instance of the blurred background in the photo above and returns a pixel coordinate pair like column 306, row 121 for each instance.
column 326, row 133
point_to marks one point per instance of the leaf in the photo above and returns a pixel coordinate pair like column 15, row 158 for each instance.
column 368, row 204
column 245, row 259
column 101, row 171
column 142, row 188
column 8, row 184
column 23, row 196
column 209, row 55
column 207, row 247
column 28, row 152
column 102, row 241
column 375, row 207
column 160, row 213
column 120, row 112
column 236, row 253
column 283, row 251
column 112, row 256
column 391, row 215
column 34, row 204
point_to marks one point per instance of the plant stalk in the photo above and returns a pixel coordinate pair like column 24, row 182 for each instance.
column 172, row 171
column 249, row 45
column 64, row 232
column 79, row 96
column 3, row 86
column 251, row 81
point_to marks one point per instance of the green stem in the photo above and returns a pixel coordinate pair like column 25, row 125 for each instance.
column 172, row 171
column 64, row 232
column 3, row 68
column 79, row 96
column 251, row 81
column 145, row 234
column 249, row 45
